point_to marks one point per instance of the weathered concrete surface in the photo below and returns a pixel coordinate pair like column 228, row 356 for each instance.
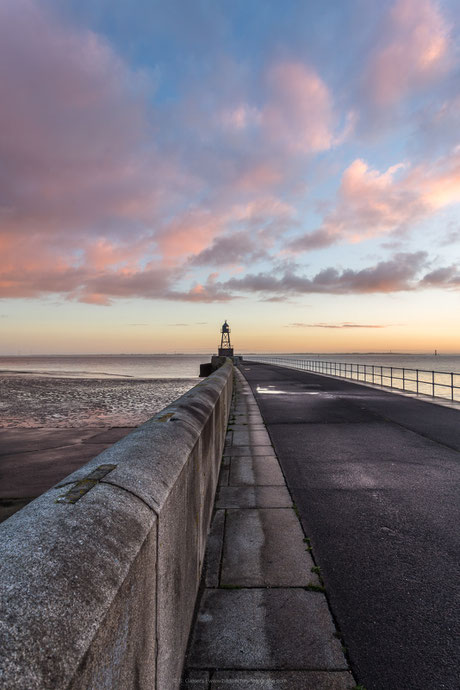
column 214, row 547
column 259, row 470
column 33, row 460
column 241, row 629
column 263, row 615
column 100, row 593
column 266, row 548
column 31, row 474
column 62, row 570
column 375, row 477
column 253, row 497
column 31, row 440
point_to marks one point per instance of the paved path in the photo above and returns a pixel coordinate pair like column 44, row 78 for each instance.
column 33, row 460
column 263, row 620
column 375, row 477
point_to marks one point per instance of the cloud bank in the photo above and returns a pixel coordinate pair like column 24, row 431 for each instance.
column 110, row 191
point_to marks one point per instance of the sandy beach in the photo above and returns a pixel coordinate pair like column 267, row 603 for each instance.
column 32, row 401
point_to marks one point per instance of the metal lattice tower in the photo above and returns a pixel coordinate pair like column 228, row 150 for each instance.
column 225, row 339
column 225, row 349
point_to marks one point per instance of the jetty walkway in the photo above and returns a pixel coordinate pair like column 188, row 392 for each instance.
column 262, row 620
column 331, row 564
column 375, row 478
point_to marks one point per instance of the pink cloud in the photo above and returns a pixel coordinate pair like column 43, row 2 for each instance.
column 90, row 209
column 73, row 126
column 241, row 117
column 372, row 203
column 80, row 178
column 413, row 51
column 299, row 111
column 195, row 231
column 190, row 232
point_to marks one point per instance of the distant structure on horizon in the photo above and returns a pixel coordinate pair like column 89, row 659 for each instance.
column 225, row 349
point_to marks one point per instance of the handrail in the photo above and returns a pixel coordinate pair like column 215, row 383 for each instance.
column 418, row 381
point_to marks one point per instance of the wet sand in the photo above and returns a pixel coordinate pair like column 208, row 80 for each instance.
column 51, row 426
column 35, row 401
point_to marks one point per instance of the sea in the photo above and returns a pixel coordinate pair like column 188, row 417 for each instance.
column 175, row 366
column 423, row 362
column 75, row 391
column 436, row 375
column 71, row 391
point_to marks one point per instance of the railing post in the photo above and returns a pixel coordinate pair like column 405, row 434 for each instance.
column 391, row 377
column 372, row 373
column 416, row 373
column 404, row 377
column 432, row 382
column 452, row 386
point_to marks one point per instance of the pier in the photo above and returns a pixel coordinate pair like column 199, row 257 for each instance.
column 320, row 516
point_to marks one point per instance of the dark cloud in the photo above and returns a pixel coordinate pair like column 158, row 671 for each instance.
column 447, row 276
column 238, row 247
column 394, row 275
column 318, row 239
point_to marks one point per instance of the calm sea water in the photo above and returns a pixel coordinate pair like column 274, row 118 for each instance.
column 107, row 366
column 443, row 363
column 434, row 375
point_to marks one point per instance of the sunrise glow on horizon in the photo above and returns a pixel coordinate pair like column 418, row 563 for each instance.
column 293, row 168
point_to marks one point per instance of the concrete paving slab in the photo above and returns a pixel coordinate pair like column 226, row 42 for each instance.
column 112, row 435
column 242, row 427
column 246, row 629
column 224, row 473
column 214, row 546
column 282, row 680
column 253, row 497
column 251, row 437
column 247, row 420
column 32, row 440
column 258, row 470
column 236, row 451
column 265, row 548
column 31, row 474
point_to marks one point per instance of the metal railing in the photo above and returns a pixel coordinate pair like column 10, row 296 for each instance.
column 436, row 384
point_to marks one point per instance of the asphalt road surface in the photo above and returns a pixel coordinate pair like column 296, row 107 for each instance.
column 375, row 477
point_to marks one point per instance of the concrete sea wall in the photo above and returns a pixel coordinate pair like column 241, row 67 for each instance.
column 99, row 575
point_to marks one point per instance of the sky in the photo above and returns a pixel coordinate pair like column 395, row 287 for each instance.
column 291, row 167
